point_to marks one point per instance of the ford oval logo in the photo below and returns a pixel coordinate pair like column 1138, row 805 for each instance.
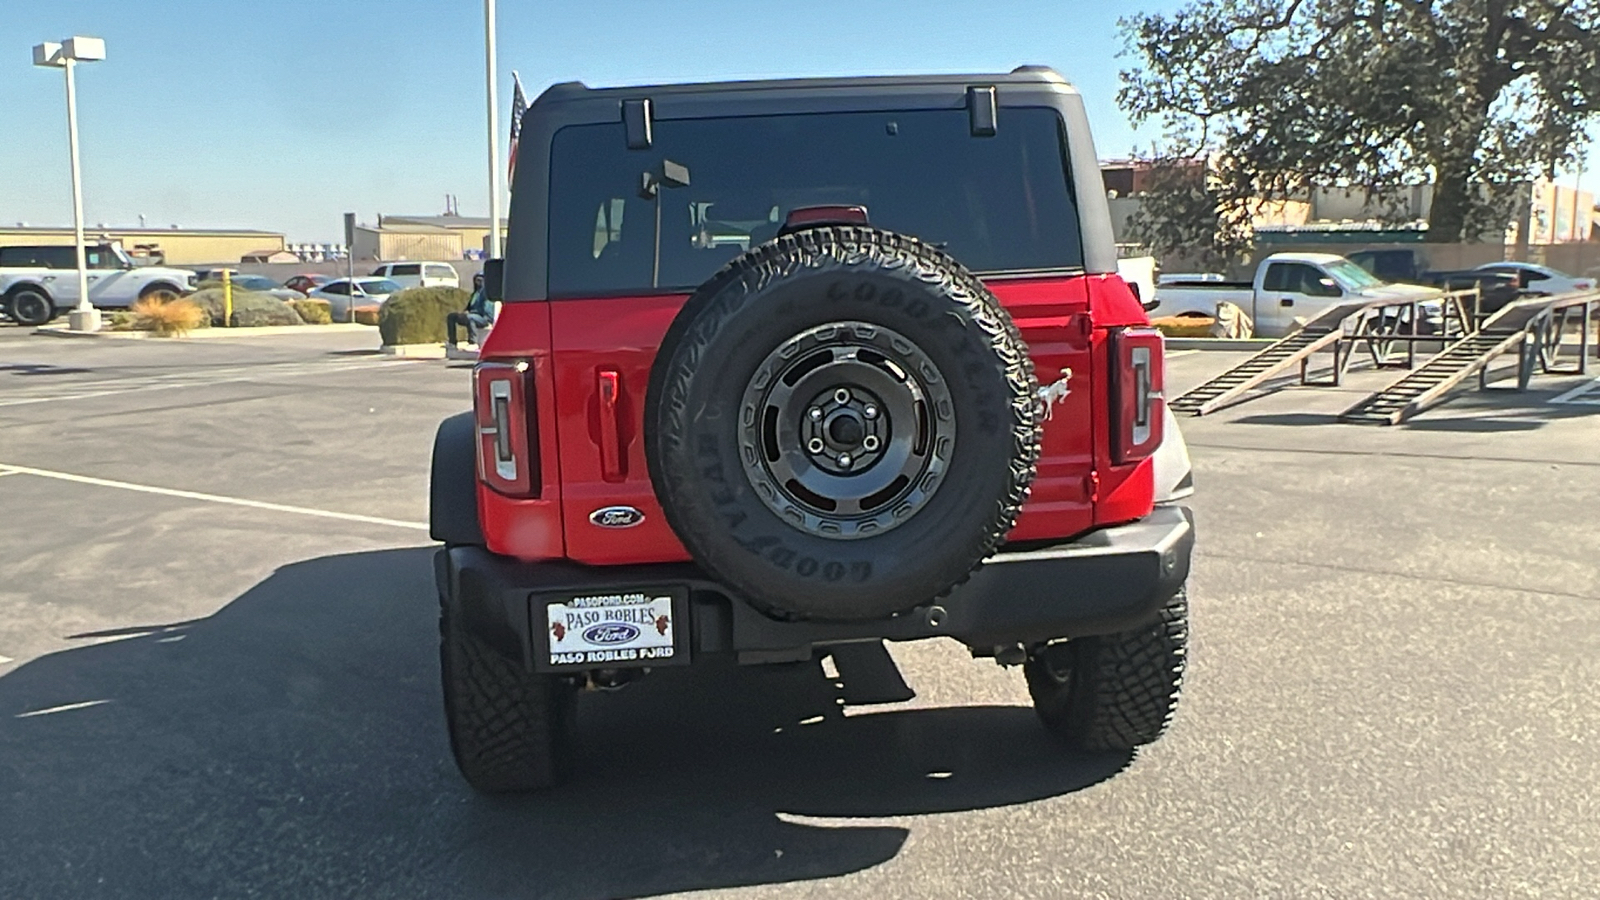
column 607, row 633
column 616, row 517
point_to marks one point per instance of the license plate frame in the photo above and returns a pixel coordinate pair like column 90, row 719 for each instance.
column 595, row 625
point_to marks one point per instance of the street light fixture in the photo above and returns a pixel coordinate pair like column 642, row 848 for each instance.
column 66, row 56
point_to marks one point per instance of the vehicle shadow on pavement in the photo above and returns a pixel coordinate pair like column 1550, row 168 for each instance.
column 1468, row 415
column 292, row 745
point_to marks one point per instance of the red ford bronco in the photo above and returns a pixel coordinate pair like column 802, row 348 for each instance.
column 788, row 367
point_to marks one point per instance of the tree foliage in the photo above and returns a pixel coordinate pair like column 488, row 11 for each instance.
column 1472, row 95
column 1187, row 215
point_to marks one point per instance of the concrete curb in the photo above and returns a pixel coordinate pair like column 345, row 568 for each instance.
column 208, row 333
column 415, row 351
column 1187, row 343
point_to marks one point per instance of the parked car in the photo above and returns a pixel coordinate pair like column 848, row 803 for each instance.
column 368, row 292
column 1140, row 274
column 260, row 284
column 1287, row 287
column 1540, row 280
column 419, row 274
column 1409, row 265
column 263, row 284
column 37, row 283
column 307, row 282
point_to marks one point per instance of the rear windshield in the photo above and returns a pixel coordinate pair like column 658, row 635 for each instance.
column 998, row 204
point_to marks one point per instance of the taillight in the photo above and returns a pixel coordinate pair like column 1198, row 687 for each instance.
column 508, row 456
column 1138, row 375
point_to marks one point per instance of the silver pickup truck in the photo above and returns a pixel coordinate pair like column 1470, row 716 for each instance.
column 38, row 283
column 1288, row 289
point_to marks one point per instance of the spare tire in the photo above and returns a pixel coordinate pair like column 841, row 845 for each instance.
column 841, row 424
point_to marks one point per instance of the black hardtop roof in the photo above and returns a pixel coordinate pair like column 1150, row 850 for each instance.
column 573, row 103
column 570, row 91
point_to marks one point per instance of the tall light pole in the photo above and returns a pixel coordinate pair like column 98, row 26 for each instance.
column 490, row 62
column 66, row 56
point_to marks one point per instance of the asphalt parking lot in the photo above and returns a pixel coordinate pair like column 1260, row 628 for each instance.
column 218, row 670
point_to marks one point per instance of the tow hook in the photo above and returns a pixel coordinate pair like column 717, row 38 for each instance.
column 1008, row 656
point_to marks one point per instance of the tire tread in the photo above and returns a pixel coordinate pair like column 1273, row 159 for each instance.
column 506, row 725
column 1124, row 688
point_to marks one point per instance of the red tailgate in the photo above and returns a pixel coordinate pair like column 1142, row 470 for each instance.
column 1053, row 315
column 603, row 351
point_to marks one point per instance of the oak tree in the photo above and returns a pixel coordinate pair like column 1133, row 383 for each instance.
column 1474, row 96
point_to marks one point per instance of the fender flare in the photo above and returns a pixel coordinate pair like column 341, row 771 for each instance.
column 28, row 286
column 453, row 483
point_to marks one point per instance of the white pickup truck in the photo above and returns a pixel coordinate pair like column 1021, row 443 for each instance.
column 37, row 283
column 1288, row 288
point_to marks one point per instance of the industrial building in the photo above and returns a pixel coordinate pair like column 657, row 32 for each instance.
column 423, row 237
column 162, row 246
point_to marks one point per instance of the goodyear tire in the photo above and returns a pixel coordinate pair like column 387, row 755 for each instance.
column 841, row 424
column 1115, row 691
column 30, row 307
column 508, row 727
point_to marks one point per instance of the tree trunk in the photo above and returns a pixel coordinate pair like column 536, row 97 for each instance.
column 1451, row 202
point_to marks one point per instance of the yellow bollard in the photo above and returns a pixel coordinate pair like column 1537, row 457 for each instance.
column 227, row 299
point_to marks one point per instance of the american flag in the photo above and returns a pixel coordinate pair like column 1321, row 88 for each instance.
column 519, row 105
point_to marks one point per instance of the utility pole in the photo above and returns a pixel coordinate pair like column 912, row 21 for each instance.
column 490, row 64
column 66, row 55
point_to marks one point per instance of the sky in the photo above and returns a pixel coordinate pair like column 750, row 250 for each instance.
column 282, row 116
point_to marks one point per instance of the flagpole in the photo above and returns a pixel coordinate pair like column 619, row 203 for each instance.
column 494, row 130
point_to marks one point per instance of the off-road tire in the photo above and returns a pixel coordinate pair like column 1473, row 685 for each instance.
column 1116, row 691
column 166, row 293
column 784, row 296
column 508, row 727
column 30, row 307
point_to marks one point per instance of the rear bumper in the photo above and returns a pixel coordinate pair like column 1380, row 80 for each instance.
column 1110, row 580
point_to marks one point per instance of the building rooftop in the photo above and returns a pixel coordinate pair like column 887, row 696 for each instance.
column 441, row 221
column 135, row 229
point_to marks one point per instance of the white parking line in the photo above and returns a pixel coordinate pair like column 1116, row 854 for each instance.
column 1583, row 394
column 211, row 498
column 5, row 659
column 65, row 707
column 226, row 376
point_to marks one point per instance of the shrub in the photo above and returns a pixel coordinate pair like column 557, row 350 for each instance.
column 166, row 319
column 313, row 311
column 416, row 315
column 1184, row 326
column 250, row 309
column 367, row 315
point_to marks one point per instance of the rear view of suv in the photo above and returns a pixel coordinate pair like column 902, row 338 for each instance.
column 786, row 366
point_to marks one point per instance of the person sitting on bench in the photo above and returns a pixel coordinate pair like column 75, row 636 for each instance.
column 477, row 317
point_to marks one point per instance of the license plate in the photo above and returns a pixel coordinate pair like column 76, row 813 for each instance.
column 625, row 628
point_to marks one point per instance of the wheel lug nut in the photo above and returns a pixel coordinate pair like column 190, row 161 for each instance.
column 841, row 396
column 816, row 412
column 814, row 445
column 871, row 443
column 870, row 412
column 844, row 460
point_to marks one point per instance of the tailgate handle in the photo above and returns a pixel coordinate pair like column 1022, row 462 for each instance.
column 609, row 385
